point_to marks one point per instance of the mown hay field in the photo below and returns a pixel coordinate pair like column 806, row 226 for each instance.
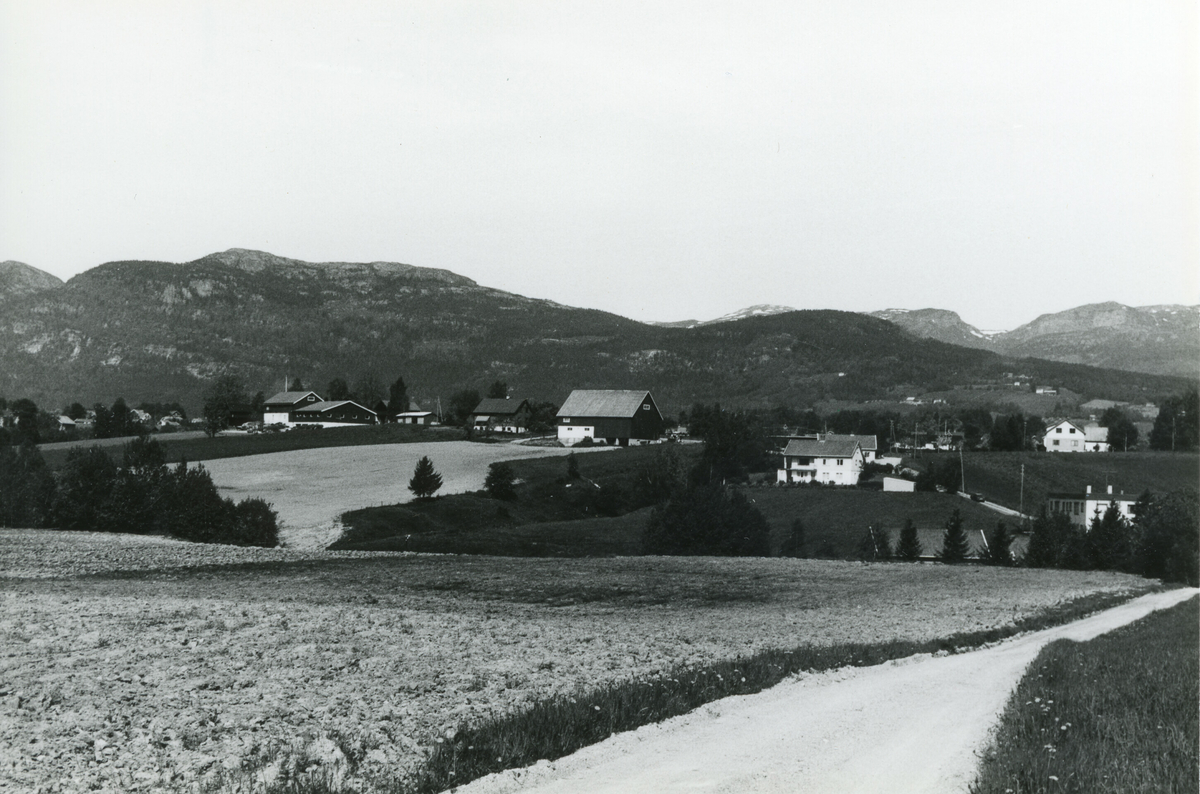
column 231, row 664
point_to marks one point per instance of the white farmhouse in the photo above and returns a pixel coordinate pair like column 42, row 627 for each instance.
column 1069, row 436
column 836, row 460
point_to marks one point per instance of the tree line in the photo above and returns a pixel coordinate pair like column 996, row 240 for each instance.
column 141, row 496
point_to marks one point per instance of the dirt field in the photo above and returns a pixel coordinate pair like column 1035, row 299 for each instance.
column 156, row 680
column 310, row 488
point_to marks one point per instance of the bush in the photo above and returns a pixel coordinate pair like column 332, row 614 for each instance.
column 256, row 524
column 1168, row 542
column 707, row 519
column 85, row 485
column 27, row 492
column 795, row 544
column 500, row 482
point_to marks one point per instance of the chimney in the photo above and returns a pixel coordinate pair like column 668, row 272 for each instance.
column 1089, row 489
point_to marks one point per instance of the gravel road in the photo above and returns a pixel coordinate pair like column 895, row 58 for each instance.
column 914, row 725
column 310, row 488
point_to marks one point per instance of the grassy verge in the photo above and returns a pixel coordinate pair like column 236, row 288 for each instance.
column 558, row 726
column 200, row 449
column 1117, row 714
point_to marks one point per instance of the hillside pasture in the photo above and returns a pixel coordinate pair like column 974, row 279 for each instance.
column 998, row 474
column 137, row 680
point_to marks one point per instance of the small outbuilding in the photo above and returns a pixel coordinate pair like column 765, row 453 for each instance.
column 611, row 416
column 899, row 485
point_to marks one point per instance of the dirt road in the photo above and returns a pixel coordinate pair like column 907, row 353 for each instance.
column 915, row 725
column 310, row 488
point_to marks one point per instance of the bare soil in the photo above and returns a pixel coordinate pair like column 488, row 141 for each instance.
column 170, row 665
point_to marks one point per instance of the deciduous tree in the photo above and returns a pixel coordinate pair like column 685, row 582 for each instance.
column 500, row 482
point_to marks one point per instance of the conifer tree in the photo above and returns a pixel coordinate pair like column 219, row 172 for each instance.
column 999, row 543
column 425, row 480
column 954, row 540
column 909, row 547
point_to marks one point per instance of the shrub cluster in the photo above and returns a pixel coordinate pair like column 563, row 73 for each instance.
column 708, row 519
column 1161, row 542
column 142, row 496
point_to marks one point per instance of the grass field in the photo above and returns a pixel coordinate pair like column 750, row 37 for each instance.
column 141, row 680
column 235, row 446
column 1118, row 714
column 599, row 514
column 998, row 474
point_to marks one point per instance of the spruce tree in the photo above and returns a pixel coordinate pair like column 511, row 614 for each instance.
column 909, row 547
column 999, row 543
column 954, row 540
column 425, row 480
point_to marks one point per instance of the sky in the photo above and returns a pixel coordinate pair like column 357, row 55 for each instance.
column 663, row 161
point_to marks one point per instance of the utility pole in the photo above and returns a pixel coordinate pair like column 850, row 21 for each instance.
column 962, row 470
column 1022, row 491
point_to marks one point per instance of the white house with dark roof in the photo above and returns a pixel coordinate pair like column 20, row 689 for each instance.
column 612, row 416
column 1071, row 436
column 834, row 460
column 280, row 408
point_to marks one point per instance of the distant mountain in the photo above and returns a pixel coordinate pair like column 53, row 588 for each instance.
column 156, row 331
column 939, row 324
column 18, row 278
column 1160, row 340
column 761, row 310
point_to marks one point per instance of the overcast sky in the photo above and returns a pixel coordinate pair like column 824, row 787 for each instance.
column 658, row 160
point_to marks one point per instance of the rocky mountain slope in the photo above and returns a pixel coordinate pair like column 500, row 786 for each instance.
column 158, row 331
column 1161, row 340
column 18, row 278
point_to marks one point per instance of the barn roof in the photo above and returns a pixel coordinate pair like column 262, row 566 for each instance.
column 497, row 406
column 613, row 403
column 329, row 405
column 812, row 448
column 290, row 397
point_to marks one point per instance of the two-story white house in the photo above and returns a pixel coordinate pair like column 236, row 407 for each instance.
column 836, row 460
column 1069, row 436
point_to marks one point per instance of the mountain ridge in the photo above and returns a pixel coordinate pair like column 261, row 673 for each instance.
column 158, row 331
column 1162, row 339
